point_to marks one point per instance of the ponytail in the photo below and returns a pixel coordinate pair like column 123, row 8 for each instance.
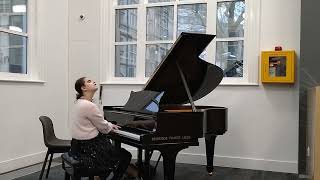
column 79, row 95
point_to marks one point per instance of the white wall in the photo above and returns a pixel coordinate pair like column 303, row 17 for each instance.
column 21, row 104
column 84, row 42
column 263, row 120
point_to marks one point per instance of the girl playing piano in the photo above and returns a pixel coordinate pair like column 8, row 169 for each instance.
column 89, row 144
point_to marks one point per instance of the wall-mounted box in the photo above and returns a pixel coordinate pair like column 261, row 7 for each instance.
column 277, row 66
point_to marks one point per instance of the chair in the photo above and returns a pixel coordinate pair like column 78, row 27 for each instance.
column 53, row 144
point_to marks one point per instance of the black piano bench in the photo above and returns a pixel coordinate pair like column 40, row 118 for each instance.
column 74, row 171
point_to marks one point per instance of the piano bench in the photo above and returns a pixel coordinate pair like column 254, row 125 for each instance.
column 74, row 171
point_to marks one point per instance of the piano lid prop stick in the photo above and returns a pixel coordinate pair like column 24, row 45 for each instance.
column 194, row 109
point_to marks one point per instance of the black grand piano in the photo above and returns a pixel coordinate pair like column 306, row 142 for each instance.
column 183, row 78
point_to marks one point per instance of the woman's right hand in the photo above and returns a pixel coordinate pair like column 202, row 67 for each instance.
column 115, row 127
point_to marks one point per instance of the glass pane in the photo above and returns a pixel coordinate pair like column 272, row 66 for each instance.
column 13, row 15
column 277, row 66
column 154, row 55
column 126, row 60
column 127, row 2
column 230, row 19
column 13, row 53
column 160, row 23
column 229, row 57
column 203, row 55
column 126, row 25
column 192, row 18
column 155, row 1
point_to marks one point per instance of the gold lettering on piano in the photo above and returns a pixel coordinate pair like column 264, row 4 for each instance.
column 159, row 138
column 165, row 138
column 186, row 137
column 174, row 137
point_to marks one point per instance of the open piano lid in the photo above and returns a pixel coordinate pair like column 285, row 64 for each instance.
column 201, row 77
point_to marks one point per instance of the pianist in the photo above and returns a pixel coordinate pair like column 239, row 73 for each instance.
column 89, row 144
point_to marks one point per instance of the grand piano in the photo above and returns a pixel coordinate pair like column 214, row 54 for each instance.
column 184, row 78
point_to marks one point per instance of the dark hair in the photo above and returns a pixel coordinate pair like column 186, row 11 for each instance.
column 79, row 83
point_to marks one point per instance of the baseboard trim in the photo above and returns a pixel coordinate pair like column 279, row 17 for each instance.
column 188, row 158
column 22, row 162
column 233, row 162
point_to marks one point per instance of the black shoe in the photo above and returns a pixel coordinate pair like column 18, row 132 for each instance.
column 132, row 171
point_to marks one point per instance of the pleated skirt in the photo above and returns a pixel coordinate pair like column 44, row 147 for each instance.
column 96, row 153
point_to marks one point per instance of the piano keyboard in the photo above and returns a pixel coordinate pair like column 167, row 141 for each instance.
column 128, row 134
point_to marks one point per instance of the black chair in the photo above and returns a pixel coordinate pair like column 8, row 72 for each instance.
column 74, row 170
column 53, row 144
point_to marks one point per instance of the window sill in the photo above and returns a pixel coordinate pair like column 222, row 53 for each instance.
column 239, row 84
column 23, row 81
column 144, row 82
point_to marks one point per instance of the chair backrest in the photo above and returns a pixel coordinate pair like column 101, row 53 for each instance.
column 48, row 131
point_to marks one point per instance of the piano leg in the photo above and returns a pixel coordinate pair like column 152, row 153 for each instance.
column 146, row 165
column 210, row 143
column 169, row 155
column 139, row 161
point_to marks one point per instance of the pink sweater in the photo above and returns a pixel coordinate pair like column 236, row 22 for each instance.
column 87, row 121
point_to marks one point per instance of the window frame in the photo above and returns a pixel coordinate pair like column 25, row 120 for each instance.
column 32, row 74
column 251, row 58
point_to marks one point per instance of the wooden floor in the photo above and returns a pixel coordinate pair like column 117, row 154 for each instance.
column 194, row 172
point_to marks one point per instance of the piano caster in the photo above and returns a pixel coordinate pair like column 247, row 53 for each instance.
column 210, row 173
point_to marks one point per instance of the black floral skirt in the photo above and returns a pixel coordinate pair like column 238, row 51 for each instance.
column 97, row 153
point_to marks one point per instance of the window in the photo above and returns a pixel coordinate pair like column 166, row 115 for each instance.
column 142, row 32
column 14, row 39
column 13, row 36
column 230, row 36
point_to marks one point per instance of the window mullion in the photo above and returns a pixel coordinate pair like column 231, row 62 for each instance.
column 175, row 20
column 226, row 0
column 251, row 40
column 161, row 4
column 141, row 42
column 193, row 2
column 230, row 39
column 134, row 6
column 112, row 50
column 161, row 42
column 32, row 35
column 211, row 29
column 125, row 43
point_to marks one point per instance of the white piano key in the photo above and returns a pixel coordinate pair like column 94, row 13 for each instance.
column 127, row 134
